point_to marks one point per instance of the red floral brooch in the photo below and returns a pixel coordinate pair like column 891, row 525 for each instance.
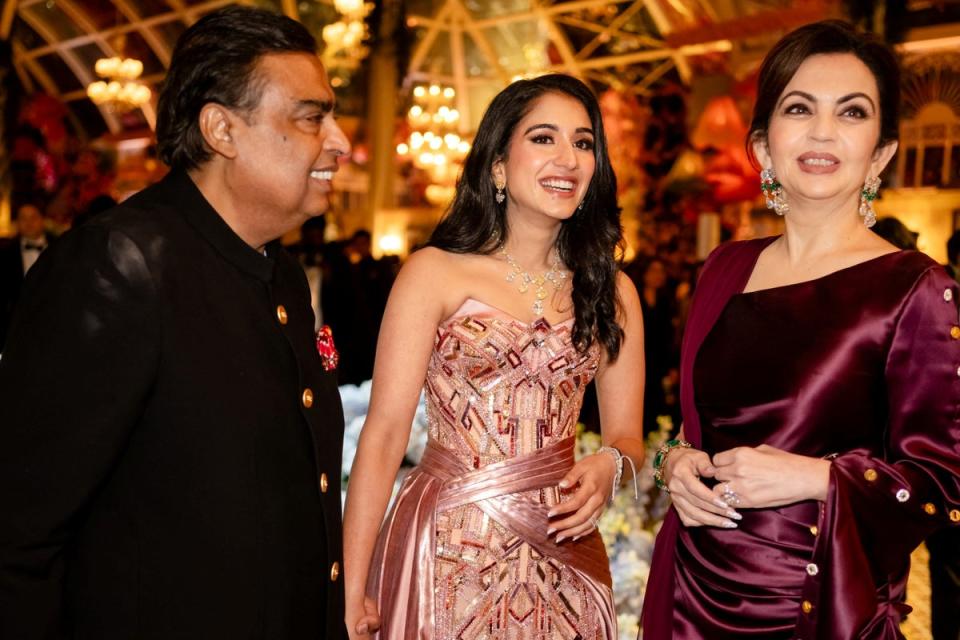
column 327, row 350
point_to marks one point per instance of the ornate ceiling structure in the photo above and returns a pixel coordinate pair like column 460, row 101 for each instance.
column 475, row 46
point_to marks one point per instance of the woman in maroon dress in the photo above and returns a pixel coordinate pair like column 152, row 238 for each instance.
column 820, row 381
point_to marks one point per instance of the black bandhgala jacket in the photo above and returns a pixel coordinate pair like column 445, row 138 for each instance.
column 170, row 442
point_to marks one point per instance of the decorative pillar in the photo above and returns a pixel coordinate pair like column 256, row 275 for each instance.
column 382, row 110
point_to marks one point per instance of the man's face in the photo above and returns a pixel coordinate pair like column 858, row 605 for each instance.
column 30, row 222
column 287, row 147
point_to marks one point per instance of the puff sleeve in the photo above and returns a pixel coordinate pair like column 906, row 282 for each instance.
column 880, row 508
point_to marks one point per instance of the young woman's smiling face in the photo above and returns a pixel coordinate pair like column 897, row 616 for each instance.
column 822, row 137
column 550, row 159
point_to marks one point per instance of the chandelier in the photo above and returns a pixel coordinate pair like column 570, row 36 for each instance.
column 434, row 144
column 343, row 40
column 119, row 91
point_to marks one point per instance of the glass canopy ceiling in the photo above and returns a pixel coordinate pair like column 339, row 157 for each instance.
column 475, row 46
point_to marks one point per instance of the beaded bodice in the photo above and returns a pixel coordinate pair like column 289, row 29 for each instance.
column 498, row 387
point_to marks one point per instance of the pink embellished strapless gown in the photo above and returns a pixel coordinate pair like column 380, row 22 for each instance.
column 464, row 553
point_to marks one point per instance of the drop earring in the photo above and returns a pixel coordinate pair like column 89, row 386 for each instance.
column 867, row 195
column 773, row 192
column 501, row 196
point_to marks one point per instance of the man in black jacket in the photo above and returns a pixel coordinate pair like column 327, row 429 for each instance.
column 170, row 439
column 16, row 258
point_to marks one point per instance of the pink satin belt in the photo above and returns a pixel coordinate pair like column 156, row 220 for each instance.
column 401, row 578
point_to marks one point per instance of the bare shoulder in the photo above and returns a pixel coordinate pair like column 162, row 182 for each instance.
column 627, row 294
column 430, row 265
column 435, row 277
column 625, row 287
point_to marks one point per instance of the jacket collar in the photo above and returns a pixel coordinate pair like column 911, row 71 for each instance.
column 201, row 215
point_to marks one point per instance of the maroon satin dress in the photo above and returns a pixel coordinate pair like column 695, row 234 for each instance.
column 860, row 366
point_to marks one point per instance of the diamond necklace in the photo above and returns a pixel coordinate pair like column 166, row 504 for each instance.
column 554, row 276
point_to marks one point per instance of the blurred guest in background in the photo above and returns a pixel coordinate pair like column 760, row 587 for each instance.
column 311, row 251
column 358, row 288
column 17, row 256
column 953, row 256
column 896, row 233
column 649, row 275
column 99, row 204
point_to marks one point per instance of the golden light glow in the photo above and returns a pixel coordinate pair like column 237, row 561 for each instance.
column 391, row 243
column 119, row 90
column 435, row 144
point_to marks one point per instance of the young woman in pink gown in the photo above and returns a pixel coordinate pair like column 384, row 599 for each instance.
column 820, row 381
column 516, row 305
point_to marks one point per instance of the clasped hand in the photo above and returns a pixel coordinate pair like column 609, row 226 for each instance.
column 364, row 624
column 590, row 482
column 746, row 478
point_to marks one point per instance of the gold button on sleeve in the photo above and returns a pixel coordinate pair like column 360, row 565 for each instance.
column 870, row 475
column 281, row 314
column 930, row 508
column 955, row 332
column 307, row 398
column 815, row 530
column 806, row 606
column 334, row 571
column 954, row 515
column 324, row 483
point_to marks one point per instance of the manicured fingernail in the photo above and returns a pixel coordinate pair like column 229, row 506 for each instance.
column 551, row 531
column 564, row 484
column 729, row 524
column 720, row 503
column 733, row 514
column 551, row 513
column 575, row 538
column 559, row 539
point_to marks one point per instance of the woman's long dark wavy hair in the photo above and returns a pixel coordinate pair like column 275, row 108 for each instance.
column 588, row 241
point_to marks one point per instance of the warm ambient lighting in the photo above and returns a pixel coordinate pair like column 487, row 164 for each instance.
column 343, row 40
column 391, row 243
column 435, row 144
column 119, row 91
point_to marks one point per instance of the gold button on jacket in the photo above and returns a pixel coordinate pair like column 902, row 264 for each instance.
column 335, row 571
column 870, row 475
column 324, row 483
column 281, row 314
column 307, row 398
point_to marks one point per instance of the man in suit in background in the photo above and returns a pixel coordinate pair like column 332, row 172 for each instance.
column 953, row 256
column 170, row 442
column 16, row 258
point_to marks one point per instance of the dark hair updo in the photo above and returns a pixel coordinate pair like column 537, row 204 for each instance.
column 826, row 37
column 588, row 240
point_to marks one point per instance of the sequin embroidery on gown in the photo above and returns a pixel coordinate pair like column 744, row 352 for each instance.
column 500, row 391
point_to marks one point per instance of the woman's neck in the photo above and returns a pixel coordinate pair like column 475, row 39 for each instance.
column 532, row 246
column 818, row 229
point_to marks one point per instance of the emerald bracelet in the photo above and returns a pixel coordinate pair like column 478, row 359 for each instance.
column 661, row 458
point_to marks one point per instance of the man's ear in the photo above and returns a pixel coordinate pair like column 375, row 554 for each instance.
column 217, row 126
